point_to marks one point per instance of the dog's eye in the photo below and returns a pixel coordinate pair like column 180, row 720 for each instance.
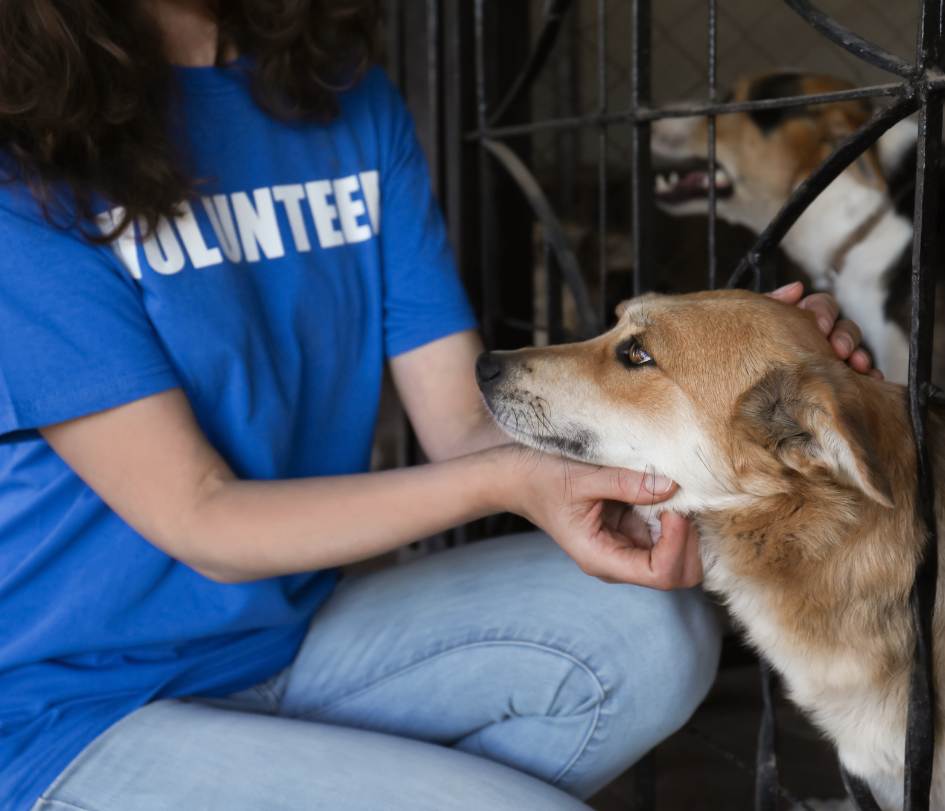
column 632, row 354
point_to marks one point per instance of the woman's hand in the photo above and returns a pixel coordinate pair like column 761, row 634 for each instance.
column 844, row 335
column 584, row 508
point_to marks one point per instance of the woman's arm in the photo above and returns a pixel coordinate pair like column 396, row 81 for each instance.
column 150, row 462
column 437, row 387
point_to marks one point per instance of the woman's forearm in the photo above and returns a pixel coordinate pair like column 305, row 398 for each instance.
column 150, row 462
column 245, row 530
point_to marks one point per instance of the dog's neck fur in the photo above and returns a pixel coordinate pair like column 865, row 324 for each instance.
column 777, row 561
column 822, row 523
column 838, row 212
column 862, row 280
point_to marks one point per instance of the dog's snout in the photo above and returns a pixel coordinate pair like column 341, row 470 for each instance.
column 488, row 368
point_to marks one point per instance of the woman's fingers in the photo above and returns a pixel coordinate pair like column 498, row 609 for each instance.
column 846, row 338
column 825, row 310
column 634, row 529
column 789, row 293
column 669, row 553
column 844, row 335
column 692, row 569
column 672, row 562
column 620, row 484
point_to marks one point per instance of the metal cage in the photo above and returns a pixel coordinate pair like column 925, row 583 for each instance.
column 468, row 86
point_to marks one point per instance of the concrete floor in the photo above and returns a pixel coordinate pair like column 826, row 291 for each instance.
column 691, row 775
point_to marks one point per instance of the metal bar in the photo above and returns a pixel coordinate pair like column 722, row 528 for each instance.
column 486, row 229
column 396, row 38
column 554, row 14
column 602, row 101
column 920, row 730
column 568, row 84
column 554, row 233
column 920, row 726
column 640, row 157
column 848, row 150
column 460, row 159
column 851, row 42
column 644, row 783
column 712, row 255
column 434, row 117
column 859, row 792
column 554, row 315
column 766, row 767
column 645, row 113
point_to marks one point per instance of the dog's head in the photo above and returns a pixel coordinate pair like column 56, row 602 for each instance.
column 729, row 393
column 764, row 154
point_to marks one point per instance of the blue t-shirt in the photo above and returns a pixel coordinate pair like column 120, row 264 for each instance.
column 312, row 253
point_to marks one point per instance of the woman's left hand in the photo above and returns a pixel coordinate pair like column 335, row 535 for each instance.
column 844, row 335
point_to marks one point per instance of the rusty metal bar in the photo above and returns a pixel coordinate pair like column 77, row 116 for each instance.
column 641, row 165
column 602, row 102
column 920, row 728
column 554, row 14
column 645, row 113
column 712, row 253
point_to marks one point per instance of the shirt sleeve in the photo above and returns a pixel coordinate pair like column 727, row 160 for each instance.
column 74, row 334
column 424, row 298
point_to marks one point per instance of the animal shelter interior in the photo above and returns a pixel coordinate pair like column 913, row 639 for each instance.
column 472, row 405
column 588, row 151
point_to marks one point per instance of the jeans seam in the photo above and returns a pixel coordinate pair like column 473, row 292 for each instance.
column 592, row 728
column 268, row 694
column 73, row 764
column 44, row 803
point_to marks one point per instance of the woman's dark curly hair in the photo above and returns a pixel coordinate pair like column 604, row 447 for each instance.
column 85, row 90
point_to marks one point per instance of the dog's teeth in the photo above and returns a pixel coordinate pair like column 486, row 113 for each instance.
column 720, row 178
column 662, row 185
column 673, row 178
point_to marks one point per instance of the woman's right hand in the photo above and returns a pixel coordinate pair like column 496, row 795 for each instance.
column 584, row 509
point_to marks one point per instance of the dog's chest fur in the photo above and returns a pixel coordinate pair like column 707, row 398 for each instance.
column 834, row 686
column 855, row 693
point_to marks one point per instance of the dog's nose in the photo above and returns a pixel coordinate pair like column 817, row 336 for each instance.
column 488, row 368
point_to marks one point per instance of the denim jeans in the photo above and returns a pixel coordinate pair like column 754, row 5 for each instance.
column 490, row 677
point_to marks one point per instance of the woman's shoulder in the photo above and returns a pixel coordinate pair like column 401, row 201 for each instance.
column 373, row 94
column 41, row 236
column 373, row 108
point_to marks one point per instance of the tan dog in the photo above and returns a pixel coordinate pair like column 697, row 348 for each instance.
column 855, row 239
column 800, row 475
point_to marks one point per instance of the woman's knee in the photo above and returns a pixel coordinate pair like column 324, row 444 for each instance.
column 670, row 654
column 660, row 643
column 683, row 655
column 655, row 653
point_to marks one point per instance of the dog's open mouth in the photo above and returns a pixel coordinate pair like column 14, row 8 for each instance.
column 688, row 179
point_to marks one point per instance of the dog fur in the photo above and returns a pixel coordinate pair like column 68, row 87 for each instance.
column 798, row 472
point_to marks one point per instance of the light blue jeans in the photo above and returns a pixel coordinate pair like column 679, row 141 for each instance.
column 495, row 676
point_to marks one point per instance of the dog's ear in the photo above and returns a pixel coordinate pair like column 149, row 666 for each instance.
column 811, row 420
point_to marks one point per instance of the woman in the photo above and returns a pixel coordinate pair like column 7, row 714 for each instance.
column 210, row 251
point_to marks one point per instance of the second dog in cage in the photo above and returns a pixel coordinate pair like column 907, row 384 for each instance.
column 855, row 239
column 794, row 469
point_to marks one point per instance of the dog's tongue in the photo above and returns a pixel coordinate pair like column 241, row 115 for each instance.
column 693, row 180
